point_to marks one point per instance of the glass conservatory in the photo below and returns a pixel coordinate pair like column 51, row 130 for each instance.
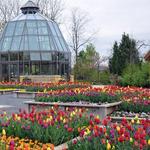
column 31, row 44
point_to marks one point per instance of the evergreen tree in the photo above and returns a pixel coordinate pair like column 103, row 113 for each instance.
column 123, row 54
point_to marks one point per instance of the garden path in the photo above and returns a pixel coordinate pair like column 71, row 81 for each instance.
column 11, row 104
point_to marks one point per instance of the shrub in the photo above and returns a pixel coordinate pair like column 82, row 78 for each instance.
column 136, row 75
column 104, row 77
column 90, row 97
column 134, row 107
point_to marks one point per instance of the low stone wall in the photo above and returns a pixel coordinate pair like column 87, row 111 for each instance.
column 26, row 95
column 101, row 110
column 42, row 78
column 119, row 119
column 45, row 78
column 2, row 92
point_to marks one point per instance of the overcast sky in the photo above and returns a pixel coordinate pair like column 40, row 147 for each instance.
column 114, row 17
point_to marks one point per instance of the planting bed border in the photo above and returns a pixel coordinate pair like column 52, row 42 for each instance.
column 101, row 110
column 3, row 92
column 119, row 119
column 27, row 95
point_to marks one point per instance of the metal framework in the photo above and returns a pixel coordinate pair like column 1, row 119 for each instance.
column 31, row 44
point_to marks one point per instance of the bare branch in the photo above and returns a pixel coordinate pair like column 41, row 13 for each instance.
column 8, row 10
column 53, row 9
column 141, row 44
column 79, row 20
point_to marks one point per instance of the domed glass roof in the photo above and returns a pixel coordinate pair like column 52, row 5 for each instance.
column 31, row 31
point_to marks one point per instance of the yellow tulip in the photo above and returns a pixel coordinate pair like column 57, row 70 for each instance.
column 132, row 121
column 149, row 142
column 61, row 118
column 64, row 121
column 118, row 128
column 131, row 140
column 108, row 146
column 3, row 132
column 113, row 148
column 136, row 117
column 138, row 122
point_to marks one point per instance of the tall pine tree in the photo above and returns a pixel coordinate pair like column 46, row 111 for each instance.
column 123, row 54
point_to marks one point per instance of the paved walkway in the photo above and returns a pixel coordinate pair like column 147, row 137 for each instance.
column 11, row 104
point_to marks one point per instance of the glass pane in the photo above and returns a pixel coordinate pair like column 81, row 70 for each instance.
column 35, row 68
column 67, row 56
column 32, row 27
column 53, row 69
column 10, row 29
column 44, row 43
column 21, row 56
column 42, row 28
column 57, row 29
column 35, row 56
column 46, row 56
column 26, row 56
column 19, row 28
column 52, row 44
column 26, row 69
column 63, row 44
column 54, row 56
column 6, row 43
column 4, row 57
column 16, row 43
column 20, row 68
column 0, row 43
column 45, row 68
column 52, row 29
column 24, row 43
column 5, row 72
column 13, row 70
column 58, row 44
column 33, row 43
column 61, row 57
column 13, row 56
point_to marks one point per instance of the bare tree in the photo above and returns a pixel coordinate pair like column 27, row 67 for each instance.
column 8, row 10
column 141, row 44
column 78, row 34
column 53, row 9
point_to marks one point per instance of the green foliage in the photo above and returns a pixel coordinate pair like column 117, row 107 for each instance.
column 41, row 89
column 86, row 65
column 55, row 133
column 123, row 54
column 104, row 77
column 134, row 107
column 88, row 97
column 136, row 75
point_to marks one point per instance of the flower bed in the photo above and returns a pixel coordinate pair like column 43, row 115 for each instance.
column 83, row 97
column 51, row 126
column 15, row 143
column 43, row 87
column 113, row 136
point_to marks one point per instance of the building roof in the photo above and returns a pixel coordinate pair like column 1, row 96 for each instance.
column 29, row 4
column 31, row 31
column 147, row 56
